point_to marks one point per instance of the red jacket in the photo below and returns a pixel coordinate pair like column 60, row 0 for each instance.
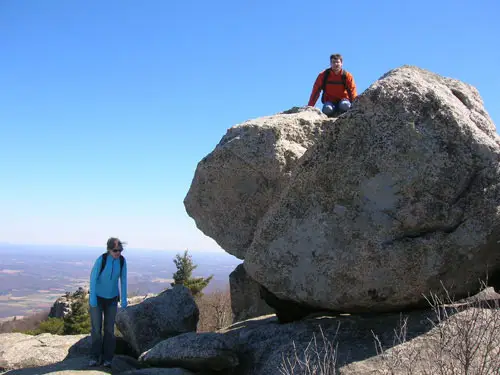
column 335, row 90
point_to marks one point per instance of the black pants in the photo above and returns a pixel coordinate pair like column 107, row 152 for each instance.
column 103, row 346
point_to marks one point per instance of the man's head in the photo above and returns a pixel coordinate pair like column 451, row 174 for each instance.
column 114, row 247
column 336, row 62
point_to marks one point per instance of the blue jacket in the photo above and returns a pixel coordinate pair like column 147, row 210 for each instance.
column 106, row 285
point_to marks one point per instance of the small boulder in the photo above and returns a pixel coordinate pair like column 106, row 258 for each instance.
column 193, row 351
column 169, row 314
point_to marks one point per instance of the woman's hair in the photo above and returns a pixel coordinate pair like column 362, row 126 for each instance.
column 114, row 242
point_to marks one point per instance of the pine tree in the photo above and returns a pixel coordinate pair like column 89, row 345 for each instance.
column 185, row 268
column 78, row 321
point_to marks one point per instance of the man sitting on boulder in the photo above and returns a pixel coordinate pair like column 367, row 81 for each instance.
column 339, row 89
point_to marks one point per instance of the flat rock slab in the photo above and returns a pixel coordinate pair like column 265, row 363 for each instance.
column 18, row 350
column 73, row 366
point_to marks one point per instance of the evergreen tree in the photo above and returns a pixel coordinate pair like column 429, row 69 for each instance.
column 78, row 321
column 183, row 275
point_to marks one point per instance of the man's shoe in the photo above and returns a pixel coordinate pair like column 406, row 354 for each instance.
column 107, row 364
column 92, row 363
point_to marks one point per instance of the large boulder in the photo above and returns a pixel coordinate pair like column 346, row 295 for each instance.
column 400, row 195
column 170, row 313
column 236, row 183
column 246, row 298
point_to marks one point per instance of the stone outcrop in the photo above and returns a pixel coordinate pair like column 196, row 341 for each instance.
column 400, row 195
column 62, row 306
column 236, row 183
column 170, row 313
column 246, row 299
column 265, row 346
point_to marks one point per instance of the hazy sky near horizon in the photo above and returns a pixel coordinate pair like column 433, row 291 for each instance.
column 106, row 107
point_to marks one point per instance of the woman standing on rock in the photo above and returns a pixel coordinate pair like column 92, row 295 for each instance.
column 104, row 298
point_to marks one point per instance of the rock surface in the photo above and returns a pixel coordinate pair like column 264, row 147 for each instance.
column 161, row 371
column 72, row 366
column 401, row 194
column 246, row 301
column 263, row 346
column 170, row 313
column 468, row 342
column 62, row 306
column 236, row 183
column 18, row 350
column 192, row 351
column 123, row 363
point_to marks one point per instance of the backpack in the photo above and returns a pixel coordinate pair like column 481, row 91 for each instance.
column 103, row 263
column 325, row 81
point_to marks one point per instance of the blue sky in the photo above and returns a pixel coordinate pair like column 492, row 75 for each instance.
column 106, row 107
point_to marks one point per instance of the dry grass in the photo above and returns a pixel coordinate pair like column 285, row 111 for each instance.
column 465, row 339
column 318, row 358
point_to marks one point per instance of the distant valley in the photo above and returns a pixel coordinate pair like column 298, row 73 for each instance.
column 33, row 277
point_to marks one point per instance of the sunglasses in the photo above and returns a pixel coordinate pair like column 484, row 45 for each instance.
column 117, row 250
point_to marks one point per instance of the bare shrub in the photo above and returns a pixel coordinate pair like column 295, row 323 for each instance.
column 318, row 358
column 26, row 323
column 399, row 361
column 464, row 339
column 215, row 310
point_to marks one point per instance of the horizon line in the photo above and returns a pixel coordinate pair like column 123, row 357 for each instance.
column 5, row 243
